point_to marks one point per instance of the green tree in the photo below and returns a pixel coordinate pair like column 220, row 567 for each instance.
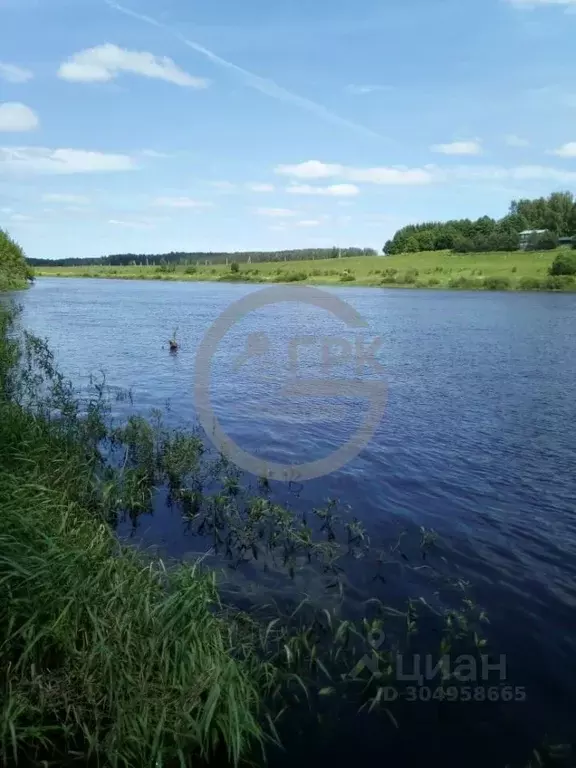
column 234, row 267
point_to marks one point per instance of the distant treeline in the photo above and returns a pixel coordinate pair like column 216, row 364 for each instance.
column 556, row 214
column 200, row 258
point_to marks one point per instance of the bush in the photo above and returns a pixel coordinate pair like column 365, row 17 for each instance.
column 464, row 283
column 235, row 267
column 559, row 283
column 530, row 284
column 389, row 275
column 190, row 270
column 347, row 278
column 497, row 283
column 564, row 264
column 432, row 281
column 295, row 277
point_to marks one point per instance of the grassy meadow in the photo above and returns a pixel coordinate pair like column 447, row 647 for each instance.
column 517, row 270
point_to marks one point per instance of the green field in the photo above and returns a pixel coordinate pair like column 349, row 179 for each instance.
column 516, row 270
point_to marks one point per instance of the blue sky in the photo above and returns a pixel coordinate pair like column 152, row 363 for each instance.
column 222, row 125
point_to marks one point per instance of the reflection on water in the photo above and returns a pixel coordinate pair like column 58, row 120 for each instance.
column 478, row 441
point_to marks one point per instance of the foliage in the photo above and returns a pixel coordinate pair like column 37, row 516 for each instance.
column 564, row 264
column 234, row 267
column 14, row 271
column 556, row 214
column 497, row 283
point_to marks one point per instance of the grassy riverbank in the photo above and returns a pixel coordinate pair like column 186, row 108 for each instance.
column 517, row 270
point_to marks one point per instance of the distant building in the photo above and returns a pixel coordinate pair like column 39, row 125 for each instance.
column 567, row 241
column 527, row 235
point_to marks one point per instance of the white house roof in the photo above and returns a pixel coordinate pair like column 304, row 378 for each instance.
column 533, row 232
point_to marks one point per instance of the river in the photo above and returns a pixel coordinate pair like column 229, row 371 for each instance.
column 477, row 441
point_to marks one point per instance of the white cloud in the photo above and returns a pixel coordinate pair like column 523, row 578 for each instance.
column 276, row 213
column 17, row 117
column 256, row 187
column 105, row 62
column 361, row 90
column 567, row 150
column 56, row 197
column 308, row 223
column 277, row 228
column 516, row 141
column 19, row 217
column 61, row 161
column 14, row 74
column 458, row 148
column 180, row 202
column 396, row 175
column 311, row 169
column 334, row 190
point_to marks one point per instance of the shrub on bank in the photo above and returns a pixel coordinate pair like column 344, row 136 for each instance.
column 497, row 283
column 564, row 264
column 294, row 277
column 559, row 283
column 464, row 283
column 530, row 284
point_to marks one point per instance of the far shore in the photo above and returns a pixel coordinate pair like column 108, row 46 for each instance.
column 517, row 270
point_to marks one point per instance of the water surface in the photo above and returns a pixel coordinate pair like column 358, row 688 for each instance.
column 478, row 440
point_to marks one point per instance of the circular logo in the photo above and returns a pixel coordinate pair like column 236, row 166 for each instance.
column 361, row 355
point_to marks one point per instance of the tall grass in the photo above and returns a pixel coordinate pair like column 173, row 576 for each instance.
column 105, row 656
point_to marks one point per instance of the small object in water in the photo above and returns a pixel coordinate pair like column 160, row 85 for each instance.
column 173, row 346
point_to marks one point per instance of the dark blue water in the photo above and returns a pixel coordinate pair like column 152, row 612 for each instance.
column 478, row 438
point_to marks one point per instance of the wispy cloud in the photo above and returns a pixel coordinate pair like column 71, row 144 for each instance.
column 14, row 74
column 257, row 187
column 516, row 141
column 497, row 173
column 223, row 186
column 536, row 3
column 262, row 84
column 57, row 197
column 16, row 117
column 430, row 174
column 276, row 213
column 398, row 175
column 308, row 223
column 458, row 148
column 155, row 154
column 566, row 150
column 130, row 224
column 362, row 90
column 106, row 62
column 61, row 161
column 334, row 190
column 180, row 202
